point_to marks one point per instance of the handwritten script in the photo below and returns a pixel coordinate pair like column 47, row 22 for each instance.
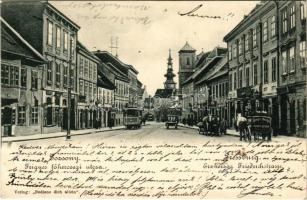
column 193, row 13
column 118, row 13
column 204, row 170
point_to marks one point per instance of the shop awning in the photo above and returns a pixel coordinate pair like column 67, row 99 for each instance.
column 6, row 102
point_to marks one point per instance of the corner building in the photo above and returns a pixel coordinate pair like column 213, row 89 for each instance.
column 53, row 35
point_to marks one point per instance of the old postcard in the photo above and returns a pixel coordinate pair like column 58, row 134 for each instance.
column 153, row 99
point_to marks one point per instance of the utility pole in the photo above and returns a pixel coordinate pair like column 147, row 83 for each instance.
column 69, row 89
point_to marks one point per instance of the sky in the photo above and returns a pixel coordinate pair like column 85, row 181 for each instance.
column 147, row 30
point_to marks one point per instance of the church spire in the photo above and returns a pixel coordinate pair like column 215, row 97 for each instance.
column 169, row 83
column 169, row 60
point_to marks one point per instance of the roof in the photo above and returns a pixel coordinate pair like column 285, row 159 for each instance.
column 83, row 48
column 12, row 42
column 216, row 70
column 140, row 84
column 187, row 47
column 165, row 93
column 220, row 70
column 201, row 58
column 207, row 66
column 107, row 56
column 104, row 82
column 117, row 68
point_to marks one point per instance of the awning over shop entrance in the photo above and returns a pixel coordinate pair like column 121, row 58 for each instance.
column 6, row 102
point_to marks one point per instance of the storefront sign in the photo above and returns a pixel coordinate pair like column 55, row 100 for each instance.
column 245, row 92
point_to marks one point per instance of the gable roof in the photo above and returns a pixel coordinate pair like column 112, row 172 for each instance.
column 217, row 70
column 12, row 42
column 187, row 47
column 201, row 59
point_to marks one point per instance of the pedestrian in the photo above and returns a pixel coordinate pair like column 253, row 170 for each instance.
column 144, row 120
column 111, row 122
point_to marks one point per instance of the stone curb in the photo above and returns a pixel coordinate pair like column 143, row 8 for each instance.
column 196, row 128
column 51, row 135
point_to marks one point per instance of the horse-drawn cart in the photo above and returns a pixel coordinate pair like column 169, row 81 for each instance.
column 260, row 125
column 212, row 126
column 172, row 117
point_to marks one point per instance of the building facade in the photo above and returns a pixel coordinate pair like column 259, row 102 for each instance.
column 119, row 71
column 87, row 109
column 291, row 89
column 21, row 88
column 105, row 98
column 196, row 94
column 265, row 52
column 133, row 86
column 53, row 35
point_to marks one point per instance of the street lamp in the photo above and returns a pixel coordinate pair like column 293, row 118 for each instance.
column 68, row 137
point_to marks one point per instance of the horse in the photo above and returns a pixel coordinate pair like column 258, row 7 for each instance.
column 243, row 128
column 204, row 125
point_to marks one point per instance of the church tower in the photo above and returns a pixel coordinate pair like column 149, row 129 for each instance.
column 186, row 64
column 169, row 83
